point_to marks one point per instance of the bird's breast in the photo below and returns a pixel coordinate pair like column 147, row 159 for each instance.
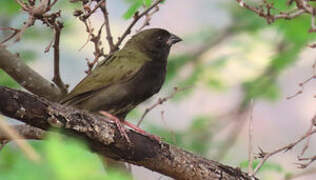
column 148, row 81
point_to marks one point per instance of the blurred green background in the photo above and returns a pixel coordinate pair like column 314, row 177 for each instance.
column 229, row 57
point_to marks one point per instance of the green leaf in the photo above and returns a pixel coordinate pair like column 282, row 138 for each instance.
column 6, row 80
column 169, row 136
column 147, row 3
column 132, row 9
column 200, row 123
column 71, row 159
column 175, row 63
column 61, row 158
column 9, row 7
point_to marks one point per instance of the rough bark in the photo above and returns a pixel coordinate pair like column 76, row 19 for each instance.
column 103, row 137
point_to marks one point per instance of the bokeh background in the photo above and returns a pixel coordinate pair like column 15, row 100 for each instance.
column 231, row 63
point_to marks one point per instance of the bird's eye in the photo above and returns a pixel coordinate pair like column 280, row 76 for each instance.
column 159, row 38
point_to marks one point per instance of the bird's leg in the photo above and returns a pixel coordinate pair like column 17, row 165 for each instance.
column 141, row 131
column 118, row 124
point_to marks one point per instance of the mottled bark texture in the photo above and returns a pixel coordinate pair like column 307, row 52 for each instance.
column 104, row 138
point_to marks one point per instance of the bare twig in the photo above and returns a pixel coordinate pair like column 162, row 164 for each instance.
column 57, row 79
column 90, row 12
column 313, row 123
column 15, row 32
column 313, row 26
column 107, row 26
column 309, row 159
column 159, row 102
column 35, row 12
column 301, row 9
column 95, row 39
column 250, row 141
column 47, row 49
column 265, row 156
column 148, row 17
column 25, row 147
column 306, row 81
column 173, row 136
column 89, row 30
column 136, row 18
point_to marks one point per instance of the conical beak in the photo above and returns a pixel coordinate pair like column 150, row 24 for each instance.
column 173, row 39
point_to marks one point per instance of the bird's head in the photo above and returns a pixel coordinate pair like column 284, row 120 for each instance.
column 155, row 42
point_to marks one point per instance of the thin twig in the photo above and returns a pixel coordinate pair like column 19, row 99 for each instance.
column 265, row 156
column 309, row 159
column 107, row 26
column 313, row 26
column 57, row 79
column 15, row 32
column 148, row 17
column 173, row 136
column 96, row 40
column 135, row 19
column 27, row 24
column 250, row 139
column 89, row 30
column 310, row 129
column 25, row 147
column 306, row 81
column 90, row 12
column 35, row 12
column 159, row 102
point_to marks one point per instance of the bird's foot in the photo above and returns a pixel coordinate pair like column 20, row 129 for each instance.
column 141, row 131
column 118, row 124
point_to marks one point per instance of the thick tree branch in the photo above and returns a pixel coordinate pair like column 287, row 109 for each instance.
column 104, row 138
column 27, row 77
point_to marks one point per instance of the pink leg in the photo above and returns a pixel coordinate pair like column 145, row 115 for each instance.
column 118, row 124
column 141, row 131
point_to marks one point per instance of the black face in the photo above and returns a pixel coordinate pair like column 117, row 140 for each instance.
column 159, row 39
column 155, row 42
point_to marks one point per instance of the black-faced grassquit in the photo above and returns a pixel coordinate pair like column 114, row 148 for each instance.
column 126, row 78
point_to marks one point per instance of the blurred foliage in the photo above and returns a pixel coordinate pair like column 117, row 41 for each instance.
column 135, row 5
column 62, row 158
column 294, row 35
column 6, row 80
column 195, row 138
column 68, row 159
column 267, row 166
column 295, row 38
column 9, row 7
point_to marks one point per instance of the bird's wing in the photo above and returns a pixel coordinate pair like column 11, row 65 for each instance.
column 121, row 67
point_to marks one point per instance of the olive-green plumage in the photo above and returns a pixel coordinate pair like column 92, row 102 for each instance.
column 128, row 77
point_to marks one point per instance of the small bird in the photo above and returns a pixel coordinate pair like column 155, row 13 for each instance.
column 126, row 78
